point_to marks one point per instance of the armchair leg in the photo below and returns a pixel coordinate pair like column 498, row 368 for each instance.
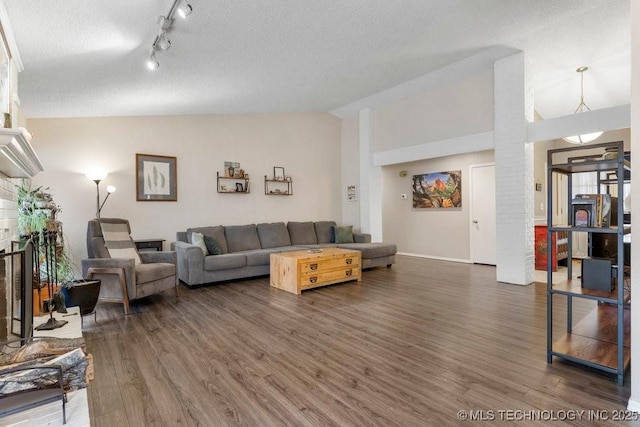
column 123, row 282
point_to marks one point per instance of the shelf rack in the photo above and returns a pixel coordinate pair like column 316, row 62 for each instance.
column 278, row 187
column 601, row 339
column 232, row 182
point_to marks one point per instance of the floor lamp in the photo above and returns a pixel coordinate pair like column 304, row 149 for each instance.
column 97, row 177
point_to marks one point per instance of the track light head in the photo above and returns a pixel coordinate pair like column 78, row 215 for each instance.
column 163, row 41
column 152, row 62
column 185, row 10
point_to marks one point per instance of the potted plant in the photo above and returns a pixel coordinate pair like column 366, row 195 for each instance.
column 35, row 208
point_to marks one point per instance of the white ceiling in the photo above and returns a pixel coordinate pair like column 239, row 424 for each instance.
column 86, row 58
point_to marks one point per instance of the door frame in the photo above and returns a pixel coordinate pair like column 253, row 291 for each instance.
column 471, row 167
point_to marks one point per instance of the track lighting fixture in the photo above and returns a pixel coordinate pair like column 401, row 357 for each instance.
column 152, row 62
column 161, row 41
column 185, row 10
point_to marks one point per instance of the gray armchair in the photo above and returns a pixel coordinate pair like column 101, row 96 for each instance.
column 123, row 280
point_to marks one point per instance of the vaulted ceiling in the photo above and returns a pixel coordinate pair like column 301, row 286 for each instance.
column 85, row 58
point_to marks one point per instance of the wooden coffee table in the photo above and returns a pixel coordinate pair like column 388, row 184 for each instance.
column 299, row 270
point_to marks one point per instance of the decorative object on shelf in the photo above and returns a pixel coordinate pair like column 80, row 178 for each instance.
column 352, row 193
column 232, row 184
column 232, row 169
column 161, row 40
column 97, row 177
column 278, row 187
column 278, row 173
column 156, row 178
column 582, row 107
column 437, row 190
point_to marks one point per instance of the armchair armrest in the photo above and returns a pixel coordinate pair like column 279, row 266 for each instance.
column 151, row 257
column 362, row 237
column 127, row 264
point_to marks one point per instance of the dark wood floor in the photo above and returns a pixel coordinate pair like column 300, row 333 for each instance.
column 410, row 346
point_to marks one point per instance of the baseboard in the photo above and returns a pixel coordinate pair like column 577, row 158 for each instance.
column 633, row 405
column 439, row 258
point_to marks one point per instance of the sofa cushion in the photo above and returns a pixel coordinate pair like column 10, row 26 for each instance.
column 242, row 237
column 216, row 232
column 302, row 233
column 212, row 246
column 273, row 235
column 224, row 262
column 343, row 234
column 146, row 273
column 259, row 257
column 371, row 250
column 324, row 231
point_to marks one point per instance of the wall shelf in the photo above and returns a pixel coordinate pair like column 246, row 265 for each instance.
column 278, row 187
column 233, row 185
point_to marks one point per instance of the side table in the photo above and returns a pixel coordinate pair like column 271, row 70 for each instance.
column 149, row 244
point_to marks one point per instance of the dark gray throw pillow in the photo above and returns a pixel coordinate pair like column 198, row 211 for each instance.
column 343, row 234
column 212, row 246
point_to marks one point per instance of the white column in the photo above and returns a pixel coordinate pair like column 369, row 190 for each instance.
column 634, row 399
column 370, row 179
column 513, row 101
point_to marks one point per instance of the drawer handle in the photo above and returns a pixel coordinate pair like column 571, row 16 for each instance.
column 313, row 279
column 349, row 272
column 349, row 261
column 313, row 266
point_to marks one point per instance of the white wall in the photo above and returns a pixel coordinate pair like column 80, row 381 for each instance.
column 350, row 171
column 461, row 108
column 439, row 233
column 307, row 145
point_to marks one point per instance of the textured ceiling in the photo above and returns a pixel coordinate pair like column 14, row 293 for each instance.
column 86, row 58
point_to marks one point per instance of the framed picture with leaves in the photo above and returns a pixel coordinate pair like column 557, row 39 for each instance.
column 156, row 178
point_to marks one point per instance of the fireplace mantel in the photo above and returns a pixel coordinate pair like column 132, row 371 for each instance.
column 17, row 157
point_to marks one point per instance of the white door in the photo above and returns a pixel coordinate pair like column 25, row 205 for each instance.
column 483, row 214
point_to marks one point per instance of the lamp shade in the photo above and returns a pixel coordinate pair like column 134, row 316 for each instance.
column 96, row 175
column 583, row 139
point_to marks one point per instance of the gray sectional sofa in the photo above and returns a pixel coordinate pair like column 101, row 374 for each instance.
column 246, row 249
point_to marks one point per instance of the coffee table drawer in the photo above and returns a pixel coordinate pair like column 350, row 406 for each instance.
column 311, row 280
column 328, row 264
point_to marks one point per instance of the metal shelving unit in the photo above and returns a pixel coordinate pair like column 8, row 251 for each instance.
column 601, row 339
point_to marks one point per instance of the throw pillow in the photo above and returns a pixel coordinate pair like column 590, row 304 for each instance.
column 212, row 245
column 198, row 240
column 343, row 234
column 118, row 241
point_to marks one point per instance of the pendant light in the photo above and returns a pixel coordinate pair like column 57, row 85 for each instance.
column 582, row 107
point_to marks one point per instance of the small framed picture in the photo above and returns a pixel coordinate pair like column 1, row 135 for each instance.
column 156, row 178
column 278, row 173
column 239, row 187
